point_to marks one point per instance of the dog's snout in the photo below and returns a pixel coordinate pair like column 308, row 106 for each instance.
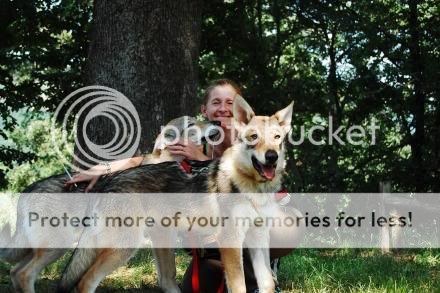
column 271, row 157
column 216, row 123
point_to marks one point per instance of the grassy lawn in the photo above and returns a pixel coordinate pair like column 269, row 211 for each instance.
column 306, row 270
column 360, row 270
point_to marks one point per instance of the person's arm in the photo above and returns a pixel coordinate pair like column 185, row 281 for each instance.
column 95, row 172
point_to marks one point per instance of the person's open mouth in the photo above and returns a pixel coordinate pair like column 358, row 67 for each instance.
column 267, row 171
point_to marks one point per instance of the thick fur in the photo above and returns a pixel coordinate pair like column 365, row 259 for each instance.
column 32, row 261
column 242, row 168
column 90, row 266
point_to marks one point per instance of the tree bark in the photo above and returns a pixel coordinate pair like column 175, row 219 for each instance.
column 335, row 112
column 148, row 50
column 416, row 62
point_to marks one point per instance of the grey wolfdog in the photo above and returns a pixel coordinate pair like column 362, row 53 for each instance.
column 30, row 262
column 254, row 164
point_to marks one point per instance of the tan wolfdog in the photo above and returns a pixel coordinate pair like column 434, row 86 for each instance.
column 254, row 164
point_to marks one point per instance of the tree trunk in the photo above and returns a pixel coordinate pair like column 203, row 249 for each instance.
column 336, row 113
column 416, row 61
column 147, row 50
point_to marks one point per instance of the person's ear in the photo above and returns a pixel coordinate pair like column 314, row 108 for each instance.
column 203, row 111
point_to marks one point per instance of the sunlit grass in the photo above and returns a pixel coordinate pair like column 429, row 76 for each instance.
column 305, row 270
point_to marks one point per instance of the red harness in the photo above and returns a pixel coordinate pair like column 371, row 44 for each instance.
column 186, row 166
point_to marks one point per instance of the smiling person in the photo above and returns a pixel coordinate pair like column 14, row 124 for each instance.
column 217, row 106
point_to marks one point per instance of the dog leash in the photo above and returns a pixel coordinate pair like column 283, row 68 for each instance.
column 68, row 174
column 195, row 282
column 195, row 276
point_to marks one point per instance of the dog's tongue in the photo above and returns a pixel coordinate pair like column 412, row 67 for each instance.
column 269, row 172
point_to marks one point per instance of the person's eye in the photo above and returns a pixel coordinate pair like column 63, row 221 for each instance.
column 254, row 136
column 277, row 136
column 169, row 137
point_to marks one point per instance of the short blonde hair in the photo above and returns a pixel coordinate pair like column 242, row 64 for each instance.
column 217, row 82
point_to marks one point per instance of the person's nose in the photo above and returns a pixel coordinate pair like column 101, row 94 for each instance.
column 223, row 107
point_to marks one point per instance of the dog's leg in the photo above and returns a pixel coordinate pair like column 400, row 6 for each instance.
column 232, row 259
column 166, row 269
column 26, row 275
column 13, row 273
column 230, row 242
column 261, row 264
column 259, row 253
column 105, row 263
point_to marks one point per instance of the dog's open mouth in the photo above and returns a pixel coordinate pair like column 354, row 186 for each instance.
column 265, row 171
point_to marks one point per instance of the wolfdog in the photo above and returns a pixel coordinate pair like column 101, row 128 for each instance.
column 30, row 262
column 253, row 164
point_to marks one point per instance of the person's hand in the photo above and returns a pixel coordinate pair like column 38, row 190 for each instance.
column 188, row 149
column 92, row 175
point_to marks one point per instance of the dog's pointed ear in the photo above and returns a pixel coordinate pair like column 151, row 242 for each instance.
column 284, row 117
column 242, row 112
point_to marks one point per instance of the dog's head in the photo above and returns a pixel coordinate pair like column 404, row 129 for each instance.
column 261, row 139
column 186, row 128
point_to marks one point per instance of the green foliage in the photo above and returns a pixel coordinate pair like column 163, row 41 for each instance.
column 352, row 60
column 42, row 55
column 35, row 139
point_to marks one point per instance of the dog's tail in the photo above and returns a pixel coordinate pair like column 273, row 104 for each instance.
column 10, row 255
column 80, row 261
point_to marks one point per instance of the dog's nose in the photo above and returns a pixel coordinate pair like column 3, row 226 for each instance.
column 216, row 123
column 271, row 157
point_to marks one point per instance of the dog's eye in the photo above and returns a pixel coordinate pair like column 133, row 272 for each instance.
column 254, row 136
column 277, row 136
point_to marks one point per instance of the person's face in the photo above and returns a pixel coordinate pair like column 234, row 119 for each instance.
column 219, row 105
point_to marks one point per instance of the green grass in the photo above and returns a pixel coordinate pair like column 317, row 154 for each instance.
column 305, row 270
column 360, row 270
